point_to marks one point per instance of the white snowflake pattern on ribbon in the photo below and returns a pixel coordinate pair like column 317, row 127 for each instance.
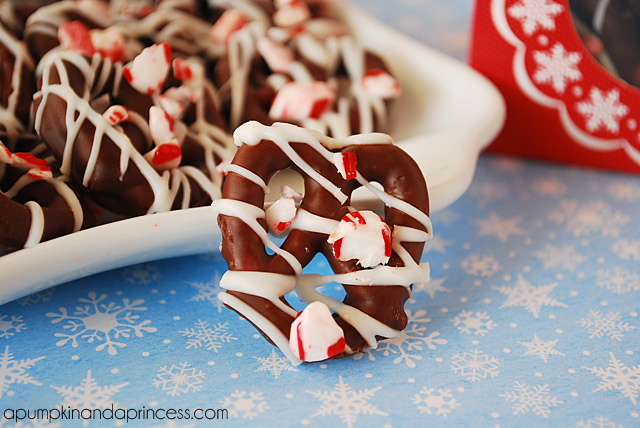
column 179, row 379
column 535, row 14
column 475, row 365
column 14, row 371
column 11, row 326
column 209, row 337
column 609, row 325
column 528, row 296
column 557, row 67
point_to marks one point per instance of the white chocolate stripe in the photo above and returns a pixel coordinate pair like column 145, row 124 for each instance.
column 272, row 286
column 313, row 223
column 266, row 326
column 37, row 224
column 250, row 215
column 249, row 175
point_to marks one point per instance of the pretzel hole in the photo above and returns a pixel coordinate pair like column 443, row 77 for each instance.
column 286, row 177
column 363, row 199
column 318, row 265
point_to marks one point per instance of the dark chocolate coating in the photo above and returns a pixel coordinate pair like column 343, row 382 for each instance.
column 244, row 251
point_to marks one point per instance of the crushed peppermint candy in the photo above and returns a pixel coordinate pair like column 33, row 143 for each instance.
column 116, row 114
column 315, row 335
column 291, row 13
column 36, row 168
column 148, row 71
column 74, row 36
column 362, row 236
column 229, row 22
column 346, row 162
column 281, row 213
column 160, row 125
column 109, row 43
column 378, row 83
column 299, row 101
column 165, row 156
column 276, row 54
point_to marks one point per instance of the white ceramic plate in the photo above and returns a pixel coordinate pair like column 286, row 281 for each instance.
column 447, row 114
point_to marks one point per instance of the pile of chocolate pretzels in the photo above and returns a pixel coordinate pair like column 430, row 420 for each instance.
column 113, row 109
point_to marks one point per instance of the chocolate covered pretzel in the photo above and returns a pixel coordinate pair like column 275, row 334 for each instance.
column 376, row 259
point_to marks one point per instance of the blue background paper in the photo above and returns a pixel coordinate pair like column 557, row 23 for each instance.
column 530, row 319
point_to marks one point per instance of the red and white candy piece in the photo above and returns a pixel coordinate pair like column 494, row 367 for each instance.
column 74, row 35
column 315, row 335
column 291, row 13
column 346, row 162
column 229, row 22
column 380, row 84
column 109, row 43
column 148, row 71
column 160, row 125
column 277, row 55
column 362, row 236
column 299, row 101
column 190, row 71
column 36, row 168
column 165, row 156
column 116, row 114
column 281, row 213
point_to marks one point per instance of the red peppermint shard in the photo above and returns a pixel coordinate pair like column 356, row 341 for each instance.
column 74, row 35
column 148, row 71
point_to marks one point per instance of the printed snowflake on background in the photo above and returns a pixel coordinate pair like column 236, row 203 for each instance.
column 527, row 399
column 603, row 110
column 141, row 274
column 476, row 323
column 565, row 257
column 599, row 422
column 487, row 191
column 208, row 292
column 346, row 403
column 475, row 365
column 528, row 296
column 446, row 217
column 33, row 423
column 610, row 325
column 541, row 348
column 89, row 395
column 410, row 341
column 440, row 403
column 432, row 286
column 618, row 377
column 549, row 186
column 102, row 322
column 557, row 66
column 618, row 280
column 179, row 379
column 480, row 265
column 624, row 191
column 15, row 372
column 535, row 14
column 211, row 338
column 9, row 327
column 501, row 228
column 595, row 217
column 247, row 405
column 627, row 249
column 437, row 244
column 39, row 297
column 274, row 364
